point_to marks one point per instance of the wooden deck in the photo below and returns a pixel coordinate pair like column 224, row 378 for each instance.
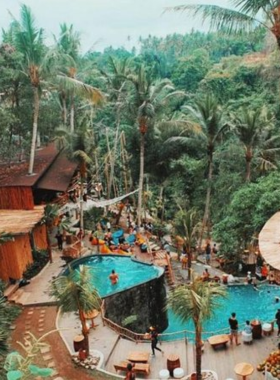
column 221, row 360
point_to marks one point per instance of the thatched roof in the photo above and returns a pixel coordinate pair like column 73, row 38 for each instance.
column 269, row 241
column 17, row 222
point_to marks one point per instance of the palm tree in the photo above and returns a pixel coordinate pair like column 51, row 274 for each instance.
column 77, row 146
column 29, row 42
column 67, row 49
column 252, row 128
column 119, row 69
column 66, row 58
column 187, row 226
column 245, row 18
column 75, row 291
column 196, row 301
column 209, row 125
column 148, row 99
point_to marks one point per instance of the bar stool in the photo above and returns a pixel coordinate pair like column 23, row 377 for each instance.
column 164, row 374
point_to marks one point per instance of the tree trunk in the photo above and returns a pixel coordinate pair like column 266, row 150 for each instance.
column 72, row 114
column 189, row 254
column 198, row 344
column 64, row 109
column 248, row 157
column 206, row 216
column 84, row 331
column 34, row 131
column 49, row 248
column 141, row 178
column 38, row 140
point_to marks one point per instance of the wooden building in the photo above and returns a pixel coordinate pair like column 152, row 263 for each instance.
column 22, row 200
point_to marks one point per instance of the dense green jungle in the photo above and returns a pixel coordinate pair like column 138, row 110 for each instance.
column 200, row 111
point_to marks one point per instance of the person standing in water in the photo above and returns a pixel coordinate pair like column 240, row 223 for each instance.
column 114, row 277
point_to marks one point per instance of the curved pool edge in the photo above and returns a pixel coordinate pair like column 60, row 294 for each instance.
column 80, row 260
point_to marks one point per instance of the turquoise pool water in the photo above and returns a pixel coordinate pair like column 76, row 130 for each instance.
column 247, row 303
column 131, row 273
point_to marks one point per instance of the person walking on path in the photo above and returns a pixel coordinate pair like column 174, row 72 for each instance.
column 277, row 317
column 154, row 340
column 233, row 324
column 208, row 254
column 59, row 238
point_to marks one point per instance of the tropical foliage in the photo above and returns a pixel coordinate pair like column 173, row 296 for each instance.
column 192, row 120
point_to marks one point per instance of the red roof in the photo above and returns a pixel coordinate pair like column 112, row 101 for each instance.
column 59, row 175
column 52, row 171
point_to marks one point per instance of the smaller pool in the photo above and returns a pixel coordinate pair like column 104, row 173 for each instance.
column 247, row 303
column 131, row 272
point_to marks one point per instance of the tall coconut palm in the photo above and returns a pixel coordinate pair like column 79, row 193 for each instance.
column 75, row 292
column 67, row 47
column 66, row 58
column 116, row 77
column 148, row 99
column 196, row 301
column 245, row 17
column 187, row 226
column 251, row 128
column 77, row 146
column 29, row 42
column 208, row 116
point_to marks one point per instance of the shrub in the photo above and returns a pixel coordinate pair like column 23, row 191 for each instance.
column 40, row 258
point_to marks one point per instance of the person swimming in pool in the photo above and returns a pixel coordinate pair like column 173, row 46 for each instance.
column 114, row 277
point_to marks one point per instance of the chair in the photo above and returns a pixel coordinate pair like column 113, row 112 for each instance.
column 178, row 373
column 267, row 329
column 164, row 374
column 247, row 337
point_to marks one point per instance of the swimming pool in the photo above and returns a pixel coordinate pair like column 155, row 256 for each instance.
column 247, row 303
column 131, row 273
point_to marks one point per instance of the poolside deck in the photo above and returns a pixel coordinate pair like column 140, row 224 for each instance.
column 115, row 349
column 221, row 361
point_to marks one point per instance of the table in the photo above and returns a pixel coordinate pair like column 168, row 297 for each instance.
column 257, row 329
column 138, row 356
column 91, row 315
column 218, row 340
column 173, row 361
column 244, row 370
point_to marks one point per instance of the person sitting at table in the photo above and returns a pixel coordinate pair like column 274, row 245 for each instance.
column 129, row 373
column 248, row 328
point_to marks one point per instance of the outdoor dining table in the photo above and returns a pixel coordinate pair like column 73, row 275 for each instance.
column 138, row 356
column 244, row 370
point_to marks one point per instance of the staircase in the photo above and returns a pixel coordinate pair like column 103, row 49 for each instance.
column 162, row 259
